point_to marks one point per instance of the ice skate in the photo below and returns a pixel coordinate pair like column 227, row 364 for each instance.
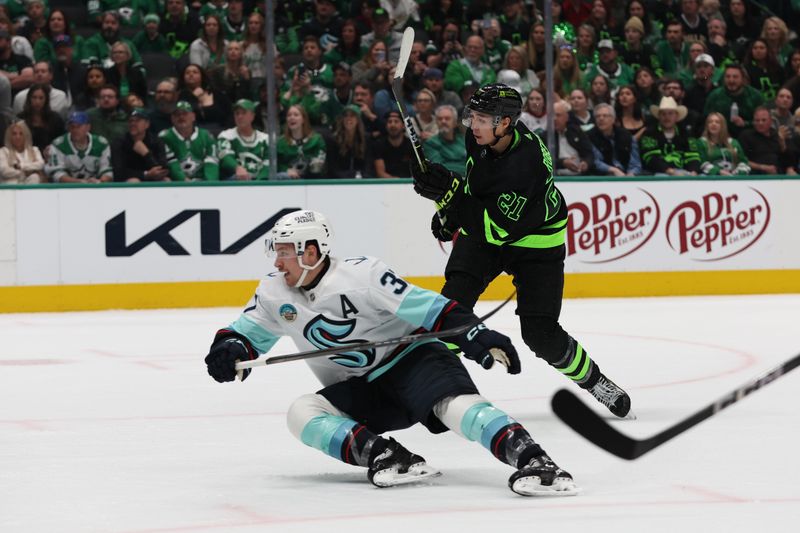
column 612, row 396
column 398, row 466
column 542, row 477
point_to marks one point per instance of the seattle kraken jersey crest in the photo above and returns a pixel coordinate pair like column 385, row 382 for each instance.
column 325, row 332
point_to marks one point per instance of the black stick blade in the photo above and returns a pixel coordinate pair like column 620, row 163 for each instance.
column 586, row 422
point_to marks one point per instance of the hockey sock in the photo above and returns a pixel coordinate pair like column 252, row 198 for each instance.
column 577, row 365
column 500, row 434
column 343, row 439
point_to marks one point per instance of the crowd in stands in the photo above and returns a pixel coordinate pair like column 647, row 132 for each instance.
column 154, row 90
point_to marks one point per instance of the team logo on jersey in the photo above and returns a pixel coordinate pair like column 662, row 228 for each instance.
column 325, row 332
column 288, row 312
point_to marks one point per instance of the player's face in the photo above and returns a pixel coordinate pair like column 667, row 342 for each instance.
column 482, row 126
column 286, row 261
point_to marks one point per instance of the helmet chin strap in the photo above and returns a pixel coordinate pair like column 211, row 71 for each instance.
column 306, row 269
column 498, row 137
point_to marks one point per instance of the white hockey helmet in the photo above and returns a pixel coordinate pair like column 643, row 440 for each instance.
column 300, row 228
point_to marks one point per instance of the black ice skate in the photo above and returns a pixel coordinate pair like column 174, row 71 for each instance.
column 612, row 396
column 398, row 466
column 542, row 477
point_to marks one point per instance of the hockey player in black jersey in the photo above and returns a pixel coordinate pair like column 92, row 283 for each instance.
column 511, row 218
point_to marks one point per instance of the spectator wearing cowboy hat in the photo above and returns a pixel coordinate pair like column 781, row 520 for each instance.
column 665, row 150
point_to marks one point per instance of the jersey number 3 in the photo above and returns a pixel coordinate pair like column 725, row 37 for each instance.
column 389, row 278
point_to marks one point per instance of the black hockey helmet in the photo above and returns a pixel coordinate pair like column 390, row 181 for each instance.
column 496, row 99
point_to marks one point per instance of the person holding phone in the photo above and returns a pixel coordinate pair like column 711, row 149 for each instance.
column 374, row 67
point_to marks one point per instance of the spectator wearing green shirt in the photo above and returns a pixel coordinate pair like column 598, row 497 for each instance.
column 348, row 49
column 673, row 52
column 57, row 27
column 214, row 7
column 150, row 40
column 447, row 147
column 191, row 151
column 108, row 119
column 617, row 73
column 721, row 154
column 243, row 150
column 301, row 151
column 734, row 90
column 234, row 22
column 469, row 67
column 494, row 48
column 130, row 11
column 97, row 48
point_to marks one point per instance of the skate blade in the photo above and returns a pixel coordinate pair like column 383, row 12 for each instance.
column 415, row 474
column 532, row 486
column 611, row 416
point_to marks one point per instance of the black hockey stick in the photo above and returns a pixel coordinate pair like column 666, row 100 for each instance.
column 413, row 337
column 397, row 90
column 588, row 423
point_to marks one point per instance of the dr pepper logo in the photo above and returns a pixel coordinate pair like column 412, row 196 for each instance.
column 607, row 228
column 718, row 226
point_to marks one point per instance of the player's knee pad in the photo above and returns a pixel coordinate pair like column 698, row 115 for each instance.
column 304, row 409
column 472, row 416
column 545, row 337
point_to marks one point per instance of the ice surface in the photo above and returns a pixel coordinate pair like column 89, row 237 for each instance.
column 109, row 423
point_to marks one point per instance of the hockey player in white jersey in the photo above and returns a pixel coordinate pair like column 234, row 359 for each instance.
column 321, row 302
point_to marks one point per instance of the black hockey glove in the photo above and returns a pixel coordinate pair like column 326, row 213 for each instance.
column 485, row 346
column 228, row 348
column 443, row 226
column 437, row 183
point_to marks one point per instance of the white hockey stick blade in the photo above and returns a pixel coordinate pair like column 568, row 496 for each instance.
column 405, row 52
column 532, row 486
column 416, row 473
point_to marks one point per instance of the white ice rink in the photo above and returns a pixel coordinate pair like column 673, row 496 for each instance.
column 109, row 423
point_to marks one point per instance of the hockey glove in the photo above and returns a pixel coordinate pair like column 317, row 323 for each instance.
column 227, row 349
column 437, row 183
column 443, row 226
column 485, row 346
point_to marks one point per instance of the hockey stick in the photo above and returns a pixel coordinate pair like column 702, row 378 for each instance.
column 591, row 426
column 397, row 90
column 413, row 337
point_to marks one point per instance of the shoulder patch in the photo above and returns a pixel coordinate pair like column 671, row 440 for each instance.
column 288, row 312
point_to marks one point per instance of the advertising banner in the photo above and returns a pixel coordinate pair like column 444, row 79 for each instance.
column 82, row 236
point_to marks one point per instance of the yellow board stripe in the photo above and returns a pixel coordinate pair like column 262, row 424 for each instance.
column 236, row 293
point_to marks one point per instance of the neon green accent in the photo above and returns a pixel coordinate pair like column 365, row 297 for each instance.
column 575, row 362
column 469, row 164
column 516, row 140
column 546, row 157
column 574, row 365
column 529, row 136
column 455, row 348
column 584, row 370
column 488, row 226
column 542, row 241
column 559, row 224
